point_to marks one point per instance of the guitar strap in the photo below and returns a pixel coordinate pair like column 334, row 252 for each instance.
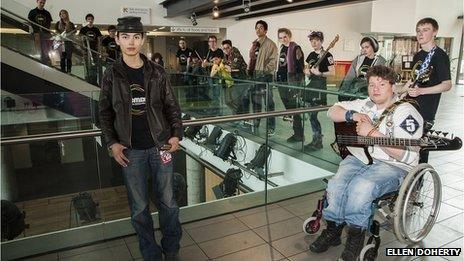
column 391, row 109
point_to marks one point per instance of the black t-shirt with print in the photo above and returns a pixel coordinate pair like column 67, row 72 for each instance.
column 111, row 47
column 92, row 35
column 141, row 137
column 282, row 66
column 41, row 17
column 183, row 55
column 210, row 54
column 365, row 66
column 440, row 71
column 324, row 65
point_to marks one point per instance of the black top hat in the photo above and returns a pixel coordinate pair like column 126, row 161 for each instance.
column 130, row 24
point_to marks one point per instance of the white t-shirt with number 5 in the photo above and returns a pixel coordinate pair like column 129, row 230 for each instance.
column 405, row 122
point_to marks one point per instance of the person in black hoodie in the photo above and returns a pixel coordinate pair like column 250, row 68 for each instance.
column 42, row 21
column 141, row 122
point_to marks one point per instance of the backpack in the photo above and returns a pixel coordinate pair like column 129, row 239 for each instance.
column 85, row 207
column 12, row 220
column 231, row 181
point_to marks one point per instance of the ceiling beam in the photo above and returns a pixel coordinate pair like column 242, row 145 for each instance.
column 186, row 7
column 293, row 8
column 262, row 6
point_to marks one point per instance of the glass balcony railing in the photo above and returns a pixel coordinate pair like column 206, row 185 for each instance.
column 249, row 145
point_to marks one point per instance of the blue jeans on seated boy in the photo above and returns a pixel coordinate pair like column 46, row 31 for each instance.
column 143, row 163
column 350, row 194
column 352, row 190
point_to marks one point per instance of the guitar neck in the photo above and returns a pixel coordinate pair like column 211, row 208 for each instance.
column 381, row 141
column 324, row 54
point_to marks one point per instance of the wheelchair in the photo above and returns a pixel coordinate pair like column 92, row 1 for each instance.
column 411, row 211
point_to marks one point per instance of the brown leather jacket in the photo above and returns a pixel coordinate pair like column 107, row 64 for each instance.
column 163, row 111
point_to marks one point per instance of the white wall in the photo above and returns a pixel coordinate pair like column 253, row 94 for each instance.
column 393, row 16
column 401, row 16
column 348, row 21
column 446, row 13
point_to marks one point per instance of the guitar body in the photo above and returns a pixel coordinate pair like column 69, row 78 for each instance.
column 359, row 151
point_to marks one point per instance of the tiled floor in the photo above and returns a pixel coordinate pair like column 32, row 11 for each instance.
column 275, row 232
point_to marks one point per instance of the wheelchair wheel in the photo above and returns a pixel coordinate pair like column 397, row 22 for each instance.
column 368, row 253
column 311, row 225
column 417, row 204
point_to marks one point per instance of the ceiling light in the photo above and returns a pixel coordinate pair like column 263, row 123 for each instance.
column 290, row 1
column 215, row 1
column 215, row 12
column 193, row 19
column 246, row 5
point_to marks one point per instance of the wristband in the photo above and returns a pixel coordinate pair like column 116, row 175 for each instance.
column 349, row 115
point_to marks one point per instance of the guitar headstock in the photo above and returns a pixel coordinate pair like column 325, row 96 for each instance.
column 440, row 140
column 334, row 41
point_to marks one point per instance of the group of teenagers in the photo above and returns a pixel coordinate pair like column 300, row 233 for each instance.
column 141, row 121
column 286, row 65
column 391, row 110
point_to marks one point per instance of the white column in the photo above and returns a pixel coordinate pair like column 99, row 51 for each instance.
column 195, row 181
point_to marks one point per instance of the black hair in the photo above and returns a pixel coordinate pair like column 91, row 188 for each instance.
column 316, row 34
column 372, row 41
column 216, row 55
column 142, row 33
column 111, row 27
column 212, row 37
column 89, row 15
column 263, row 23
column 229, row 42
column 156, row 55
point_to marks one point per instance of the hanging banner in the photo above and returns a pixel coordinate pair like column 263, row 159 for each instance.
column 142, row 12
column 194, row 29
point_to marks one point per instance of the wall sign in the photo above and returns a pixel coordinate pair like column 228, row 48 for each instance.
column 142, row 12
column 194, row 29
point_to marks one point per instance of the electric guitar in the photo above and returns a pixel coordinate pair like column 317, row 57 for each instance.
column 324, row 53
column 424, row 77
column 349, row 143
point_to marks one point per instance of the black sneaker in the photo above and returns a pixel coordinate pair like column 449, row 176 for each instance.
column 171, row 256
column 331, row 236
column 354, row 244
column 294, row 139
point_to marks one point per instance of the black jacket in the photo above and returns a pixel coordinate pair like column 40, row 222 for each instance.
column 163, row 111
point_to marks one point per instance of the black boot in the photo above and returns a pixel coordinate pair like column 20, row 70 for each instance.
column 316, row 144
column 354, row 244
column 331, row 236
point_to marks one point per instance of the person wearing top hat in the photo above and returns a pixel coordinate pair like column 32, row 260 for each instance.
column 141, row 122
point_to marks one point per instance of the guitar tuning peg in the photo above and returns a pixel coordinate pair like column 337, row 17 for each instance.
column 431, row 132
column 445, row 134
column 438, row 133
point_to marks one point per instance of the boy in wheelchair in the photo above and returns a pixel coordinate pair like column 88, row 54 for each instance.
column 357, row 184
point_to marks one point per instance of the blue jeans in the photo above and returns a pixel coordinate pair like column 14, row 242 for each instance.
column 142, row 164
column 351, row 191
column 315, row 124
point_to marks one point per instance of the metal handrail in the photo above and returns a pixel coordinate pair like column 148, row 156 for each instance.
column 186, row 123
